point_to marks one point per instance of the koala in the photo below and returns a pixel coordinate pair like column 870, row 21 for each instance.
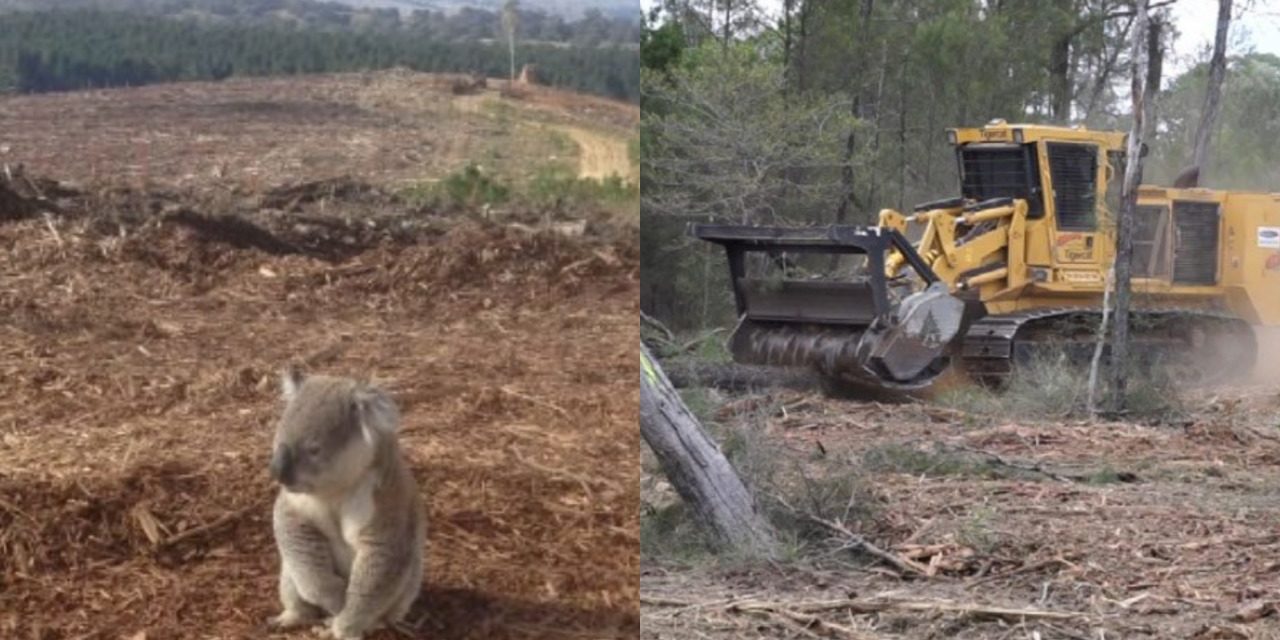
column 348, row 521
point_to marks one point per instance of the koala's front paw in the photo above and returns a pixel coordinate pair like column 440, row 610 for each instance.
column 291, row 619
column 341, row 629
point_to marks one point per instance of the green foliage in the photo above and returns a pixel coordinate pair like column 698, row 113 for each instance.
column 683, row 282
column 1243, row 153
column 537, row 24
column 727, row 141
column 552, row 186
column 470, row 188
column 1106, row 475
column 897, row 458
column 978, row 530
column 661, row 45
column 843, row 108
column 788, row 490
column 1053, row 386
column 702, row 405
column 672, row 533
column 559, row 186
column 720, row 138
column 66, row 50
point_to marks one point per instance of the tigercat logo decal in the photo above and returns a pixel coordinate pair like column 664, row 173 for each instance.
column 1066, row 238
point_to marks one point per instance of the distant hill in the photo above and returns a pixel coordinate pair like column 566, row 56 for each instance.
column 572, row 9
column 64, row 50
column 588, row 22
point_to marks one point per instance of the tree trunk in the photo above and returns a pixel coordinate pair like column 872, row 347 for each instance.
column 857, row 110
column 801, row 39
column 786, row 38
column 728, row 6
column 695, row 466
column 1213, row 93
column 1155, row 69
column 1108, row 66
column 1124, row 222
column 511, row 44
column 1060, row 79
column 902, row 135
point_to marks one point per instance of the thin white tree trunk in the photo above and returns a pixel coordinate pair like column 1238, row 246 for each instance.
column 1123, row 264
column 1092, row 403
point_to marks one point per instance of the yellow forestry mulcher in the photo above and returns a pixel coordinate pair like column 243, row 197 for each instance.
column 1015, row 266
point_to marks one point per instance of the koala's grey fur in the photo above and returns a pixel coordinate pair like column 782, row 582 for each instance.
column 348, row 521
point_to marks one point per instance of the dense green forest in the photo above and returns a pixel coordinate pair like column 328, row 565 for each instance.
column 77, row 49
column 589, row 27
column 835, row 110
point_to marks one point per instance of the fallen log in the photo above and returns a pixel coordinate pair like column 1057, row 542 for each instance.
column 738, row 377
column 863, row 606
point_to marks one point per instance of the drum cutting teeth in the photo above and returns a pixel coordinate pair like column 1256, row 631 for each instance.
column 830, row 350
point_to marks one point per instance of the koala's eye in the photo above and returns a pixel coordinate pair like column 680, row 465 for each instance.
column 311, row 449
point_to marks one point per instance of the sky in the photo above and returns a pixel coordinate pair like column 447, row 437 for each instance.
column 1255, row 26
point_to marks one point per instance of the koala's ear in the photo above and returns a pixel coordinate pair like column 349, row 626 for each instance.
column 376, row 411
column 291, row 380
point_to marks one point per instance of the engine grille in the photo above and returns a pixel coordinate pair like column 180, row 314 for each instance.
column 1074, row 170
column 1195, row 260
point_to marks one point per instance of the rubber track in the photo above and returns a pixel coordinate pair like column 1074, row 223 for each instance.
column 988, row 349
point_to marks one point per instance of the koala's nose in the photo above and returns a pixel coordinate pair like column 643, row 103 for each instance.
column 282, row 465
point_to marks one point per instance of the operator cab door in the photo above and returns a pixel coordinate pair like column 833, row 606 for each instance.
column 1074, row 174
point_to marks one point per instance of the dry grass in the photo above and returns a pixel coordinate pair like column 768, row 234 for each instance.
column 1126, row 530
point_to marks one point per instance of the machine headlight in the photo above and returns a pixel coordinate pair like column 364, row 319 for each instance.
column 951, row 136
column 1017, row 136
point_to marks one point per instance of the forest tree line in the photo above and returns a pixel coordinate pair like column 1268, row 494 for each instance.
column 832, row 111
column 592, row 28
column 79, row 49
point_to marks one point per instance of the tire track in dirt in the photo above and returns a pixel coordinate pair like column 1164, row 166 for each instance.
column 600, row 155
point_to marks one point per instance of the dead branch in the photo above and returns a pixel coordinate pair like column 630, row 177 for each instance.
column 998, row 460
column 797, row 609
column 852, row 540
column 205, row 528
column 879, row 605
column 657, row 324
column 1030, row 568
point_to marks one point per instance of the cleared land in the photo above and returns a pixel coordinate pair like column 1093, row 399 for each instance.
column 143, row 327
column 394, row 128
column 1021, row 526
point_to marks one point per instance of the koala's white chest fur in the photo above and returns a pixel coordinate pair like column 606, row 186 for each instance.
column 341, row 520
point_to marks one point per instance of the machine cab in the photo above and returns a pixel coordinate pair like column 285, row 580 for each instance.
column 1069, row 177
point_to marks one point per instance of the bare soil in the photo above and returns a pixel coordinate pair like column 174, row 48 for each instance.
column 389, row 128
column 142, row 329
column 1091, row 529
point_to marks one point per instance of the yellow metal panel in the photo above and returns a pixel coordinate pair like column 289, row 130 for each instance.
column 1077, row 261
column 1110, row 140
